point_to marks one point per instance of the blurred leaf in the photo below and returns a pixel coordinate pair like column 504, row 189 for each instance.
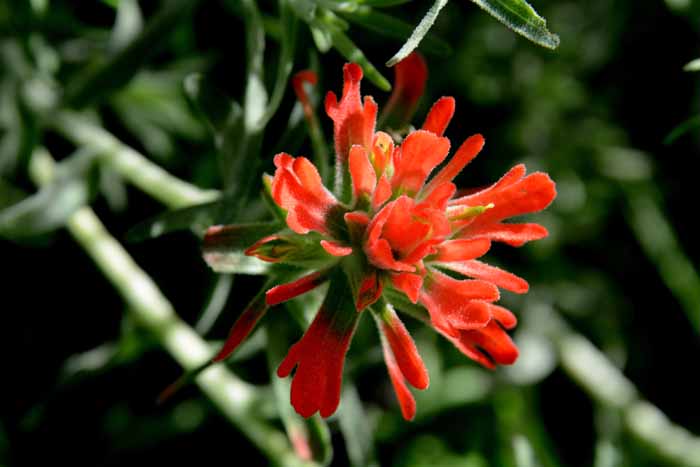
column 223, row 249
column 430, row 450
column 390, row 26
column 537, row 359
column 237, row 237
column 356, row 429
column 519, row 16
column 418, row 33
column 51, row 207
column 328, row 23
column 693, row 65
column 113, row 188
column 128, row 24
column 112, row 73
column 689, row 125
column 197, row 218
column 213, row 107
column 216, row 302
column 286, row 59
column 383, row 3
column 9, row 194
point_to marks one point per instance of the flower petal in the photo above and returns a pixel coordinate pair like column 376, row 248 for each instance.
column 298, row 80
column 319, row 355
column 483, row 271
column 403, row 394
column 512, row 197
column 335, row 248
column 450, row 302
column 243, row 326
column 511, row 234
column 297, row 187
column 403, row 348
column 464, row 155
column 369, row 291
column 419, row 154
column 283, row 292
column 407, row 283
column 440, row 115
column 462, row 249
column 411, row 74
column 353, row 122
column 364, row 178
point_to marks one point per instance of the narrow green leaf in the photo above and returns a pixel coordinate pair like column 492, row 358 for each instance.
column 418, row 34
column 693, row 65
column 286, row 61
column 224, row 238
column 51, row 207
column 390, row 26
column 683, row 128
column 211, row 105
column 356, row 429
column 347, row 48
column 218, row 296
column 519, row 16
column 197, row 218
column 128, row 24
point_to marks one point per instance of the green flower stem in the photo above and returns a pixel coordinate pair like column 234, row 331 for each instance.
column 131, row 164
column 232, row 396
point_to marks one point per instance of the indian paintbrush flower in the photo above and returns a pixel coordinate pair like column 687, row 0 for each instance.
column 388, row 227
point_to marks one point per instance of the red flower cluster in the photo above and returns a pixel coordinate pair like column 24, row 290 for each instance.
column 390, row 225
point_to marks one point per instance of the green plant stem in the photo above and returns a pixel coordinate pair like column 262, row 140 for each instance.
column 232, row 396
column 606, row 384
column 131, row 164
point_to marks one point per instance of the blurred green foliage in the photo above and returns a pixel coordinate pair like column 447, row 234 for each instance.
column 184, row 102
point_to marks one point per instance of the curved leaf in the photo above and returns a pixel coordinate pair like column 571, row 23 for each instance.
column 519, row 16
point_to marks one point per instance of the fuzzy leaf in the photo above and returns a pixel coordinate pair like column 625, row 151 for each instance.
column 519, row 16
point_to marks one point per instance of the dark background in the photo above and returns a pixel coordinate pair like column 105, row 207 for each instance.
column 616, row 81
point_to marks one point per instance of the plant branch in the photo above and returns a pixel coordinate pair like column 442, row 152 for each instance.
column 131, row 164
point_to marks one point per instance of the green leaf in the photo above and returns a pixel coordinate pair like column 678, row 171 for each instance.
column 223, row 247
column 390, row 26
column 224, row 238
column 693, row 65
column 356, row 429
column 112, row 73
column 197, row 218
column 683, row 128
column 418, row 34
column 286, row 61
column 51, row 207
column 330, row 25
column 519, row 16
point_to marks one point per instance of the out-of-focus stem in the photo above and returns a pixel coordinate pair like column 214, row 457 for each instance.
column 131, row 164
column 606, row 384
column 660, row 243
column 234, row 397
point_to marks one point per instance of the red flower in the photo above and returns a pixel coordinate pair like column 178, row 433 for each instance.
column 394, row 225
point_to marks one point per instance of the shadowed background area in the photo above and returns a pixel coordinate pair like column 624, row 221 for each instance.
column 608, row 334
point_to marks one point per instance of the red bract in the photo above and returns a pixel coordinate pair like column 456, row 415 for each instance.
column 393, row 224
